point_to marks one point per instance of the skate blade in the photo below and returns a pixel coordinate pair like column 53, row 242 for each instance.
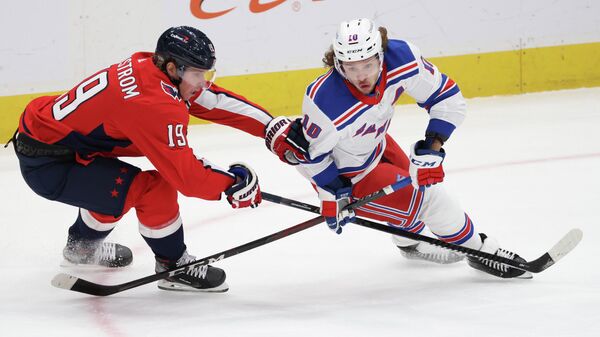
column 526, row 276
column 91, row 267
column 418, row 256
column 430, row 260
column 172, row 286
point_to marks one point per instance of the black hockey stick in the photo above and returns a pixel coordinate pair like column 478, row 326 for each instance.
column 69, row 282
column 560, row 249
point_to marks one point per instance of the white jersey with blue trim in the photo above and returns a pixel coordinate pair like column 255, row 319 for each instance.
column 346, row 129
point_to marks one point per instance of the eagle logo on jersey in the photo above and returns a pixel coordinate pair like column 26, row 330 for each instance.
column 170, row 90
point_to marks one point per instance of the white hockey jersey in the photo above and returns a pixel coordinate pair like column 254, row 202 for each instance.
column 346, row 129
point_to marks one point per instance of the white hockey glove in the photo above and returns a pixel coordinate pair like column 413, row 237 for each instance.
column 245, row 191
column 332, row 207
column 425, row 165
column 285, row 139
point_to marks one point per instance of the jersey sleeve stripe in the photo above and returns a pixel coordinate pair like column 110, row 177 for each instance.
column 441, row 127
column 243, row 100
column 317, row 84
column 327, row 175
column 447, row 89
column 393, row 73
column 401, row 73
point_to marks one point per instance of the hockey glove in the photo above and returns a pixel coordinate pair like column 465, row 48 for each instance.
column 285, row 139
column 332, row 207
column 425, row 165
column 245, row 191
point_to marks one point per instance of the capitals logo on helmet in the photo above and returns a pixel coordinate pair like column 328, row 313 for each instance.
column 356, row 40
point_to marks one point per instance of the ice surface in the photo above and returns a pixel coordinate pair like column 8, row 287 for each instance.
column 526, row 168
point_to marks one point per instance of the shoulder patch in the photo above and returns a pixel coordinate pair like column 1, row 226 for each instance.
column 170, row 90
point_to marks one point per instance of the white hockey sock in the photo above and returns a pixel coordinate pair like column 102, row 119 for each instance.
column 446, row 219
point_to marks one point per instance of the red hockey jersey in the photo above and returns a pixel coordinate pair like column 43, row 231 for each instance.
column 132, row 109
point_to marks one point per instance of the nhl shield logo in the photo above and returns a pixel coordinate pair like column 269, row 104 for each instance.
column 170, row 90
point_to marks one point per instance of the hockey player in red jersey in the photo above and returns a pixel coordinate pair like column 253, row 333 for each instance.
column 346, row 115
column 68, row 148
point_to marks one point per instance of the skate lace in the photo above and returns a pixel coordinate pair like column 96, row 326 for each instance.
column 196, row 271
column 498, row 265
column 108, row 251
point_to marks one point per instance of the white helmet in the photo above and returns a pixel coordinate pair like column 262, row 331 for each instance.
column 356, row 40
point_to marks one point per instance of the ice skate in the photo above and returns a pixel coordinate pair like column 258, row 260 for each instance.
column 96, row 253
column 496, row 268
column 203, row 278
column 426, row 252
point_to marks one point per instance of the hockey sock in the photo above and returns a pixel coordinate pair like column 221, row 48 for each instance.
column 170, row 247
column 87, row 228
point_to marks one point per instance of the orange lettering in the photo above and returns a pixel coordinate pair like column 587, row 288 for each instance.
column 257, row 7
column 197, row 11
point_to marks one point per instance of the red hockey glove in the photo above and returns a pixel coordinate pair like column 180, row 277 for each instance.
column 285, row 139
column 426, row 165
column 245, row 191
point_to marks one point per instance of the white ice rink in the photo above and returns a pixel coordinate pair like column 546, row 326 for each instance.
column 526, row 168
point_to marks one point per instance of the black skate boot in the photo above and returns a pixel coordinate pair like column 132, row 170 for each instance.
column 87, row 252
column 203, row 278
column 426, row 252
column 496, row 268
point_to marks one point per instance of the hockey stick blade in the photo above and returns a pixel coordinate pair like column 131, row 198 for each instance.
column 560, row 249
column 70, row 282
column 557, row 252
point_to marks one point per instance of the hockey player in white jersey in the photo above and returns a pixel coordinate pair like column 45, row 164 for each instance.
column 346, row 115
